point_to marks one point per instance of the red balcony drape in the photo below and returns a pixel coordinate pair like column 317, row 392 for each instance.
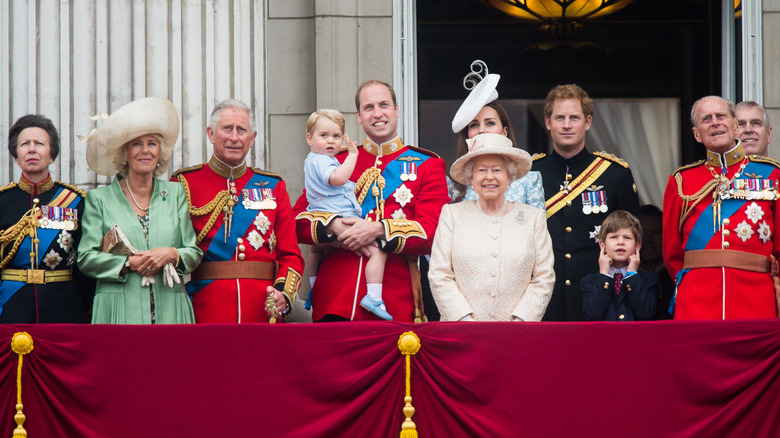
column 651, row 379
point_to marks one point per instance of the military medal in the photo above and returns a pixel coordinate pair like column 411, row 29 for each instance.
column 404, row 172
column 603, row 200
column 586, row 204
column 412, row 171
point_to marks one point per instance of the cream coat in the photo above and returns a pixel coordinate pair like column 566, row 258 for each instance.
column 492, row 268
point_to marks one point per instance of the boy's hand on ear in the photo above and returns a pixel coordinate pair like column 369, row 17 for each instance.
column 605, row 262
column 633, row 261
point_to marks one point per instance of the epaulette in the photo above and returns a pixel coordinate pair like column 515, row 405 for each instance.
column 689, row 166
column 7, row 187
column 762, row 159
column 611, row 157
column 265, row 173
column 188, row 169
column 424, row 151
column 535, row 157
column 81, row 192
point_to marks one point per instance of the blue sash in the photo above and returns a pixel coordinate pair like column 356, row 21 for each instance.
column 392, row 175
column 703, row 232
column 22, row 258
column 218, row 249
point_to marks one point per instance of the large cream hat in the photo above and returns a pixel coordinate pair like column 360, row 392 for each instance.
column 150, row 115
column 481, row 94
column 490, row 144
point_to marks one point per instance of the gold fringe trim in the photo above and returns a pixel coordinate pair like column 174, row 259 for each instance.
column 21, row 344
column 408, row 344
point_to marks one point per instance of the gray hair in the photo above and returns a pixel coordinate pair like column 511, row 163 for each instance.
column 750, row 104
column 730, row 104
column 163, row 160
column 234, row 104
column 511, row 168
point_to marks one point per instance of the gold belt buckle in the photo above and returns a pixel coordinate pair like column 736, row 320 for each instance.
column 35, row 276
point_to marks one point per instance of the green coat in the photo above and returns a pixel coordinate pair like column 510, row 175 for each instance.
column 120, row 299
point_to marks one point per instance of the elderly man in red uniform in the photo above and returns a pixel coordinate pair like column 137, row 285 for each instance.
column 720, row 223
column 244, row 225
column 401, row 190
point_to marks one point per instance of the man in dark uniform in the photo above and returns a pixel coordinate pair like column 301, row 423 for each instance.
column 581, row 189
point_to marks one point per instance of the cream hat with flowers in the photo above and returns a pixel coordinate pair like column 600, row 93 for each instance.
column 150, row 115
column 490, row 144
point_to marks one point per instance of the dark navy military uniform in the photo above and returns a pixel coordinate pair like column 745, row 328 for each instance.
column 60, row 293
column 602, row 183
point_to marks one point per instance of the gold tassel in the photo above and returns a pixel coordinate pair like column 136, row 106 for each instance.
column 409, row 344
column 21, row 344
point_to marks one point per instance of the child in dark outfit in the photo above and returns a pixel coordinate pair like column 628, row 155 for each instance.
column 621, row 290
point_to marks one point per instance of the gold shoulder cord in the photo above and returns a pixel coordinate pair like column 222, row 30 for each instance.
column 696, row 198
column 214, row 207
column 366, row 182
column 27, row 226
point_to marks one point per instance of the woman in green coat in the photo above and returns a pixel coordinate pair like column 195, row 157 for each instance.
column 135, row 143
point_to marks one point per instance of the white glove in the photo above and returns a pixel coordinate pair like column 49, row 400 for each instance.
column 147, row 281
column 170, row 276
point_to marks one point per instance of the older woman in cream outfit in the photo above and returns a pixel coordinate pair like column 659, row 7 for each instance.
column 491, row 260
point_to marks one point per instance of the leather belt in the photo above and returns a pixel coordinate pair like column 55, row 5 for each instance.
column 721, row 258
column 233, row 270
column 37, row 276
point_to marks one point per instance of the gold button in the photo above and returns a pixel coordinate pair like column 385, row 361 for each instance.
column 606, row 285
column 628, row 287
column 568, row 203
column 568, row 283
column 726, row 232
column 725, row 245
column 568, row 256
column 241, row 248
column 240, row 240
column 378, row 162
column 568, row 229
column 726, row 221
column 241, row 256
column 622, row 316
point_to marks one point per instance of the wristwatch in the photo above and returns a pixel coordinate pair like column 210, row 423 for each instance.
column 127, row 263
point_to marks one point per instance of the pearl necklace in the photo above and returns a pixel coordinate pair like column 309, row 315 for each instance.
column 500, row 212
column 127, row 183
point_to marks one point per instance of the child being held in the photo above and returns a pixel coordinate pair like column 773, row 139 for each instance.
column 329, row 189
column 621, row 290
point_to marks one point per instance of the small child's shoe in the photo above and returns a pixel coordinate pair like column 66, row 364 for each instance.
column 375, row 307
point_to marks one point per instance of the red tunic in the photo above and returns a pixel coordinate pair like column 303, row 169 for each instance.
column 411, row 215
column 262, row 235
column 745, row 225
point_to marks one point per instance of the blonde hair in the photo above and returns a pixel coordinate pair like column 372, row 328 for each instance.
column 163, row 159
column 334, row 116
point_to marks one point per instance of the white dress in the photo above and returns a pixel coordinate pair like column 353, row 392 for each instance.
column 491, row 267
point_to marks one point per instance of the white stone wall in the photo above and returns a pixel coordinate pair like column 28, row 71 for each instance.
column 70, row 59
column 771, row 55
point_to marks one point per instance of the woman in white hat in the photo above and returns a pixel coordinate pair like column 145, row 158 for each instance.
column 135, row 143
column 480, row 113
column 491, row 259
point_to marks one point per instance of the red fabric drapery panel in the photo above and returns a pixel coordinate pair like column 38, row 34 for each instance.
column 653, row 379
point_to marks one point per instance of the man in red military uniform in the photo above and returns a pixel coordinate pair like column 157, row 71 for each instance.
column 721, row 220
column 401, row 190
column 244, row 225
